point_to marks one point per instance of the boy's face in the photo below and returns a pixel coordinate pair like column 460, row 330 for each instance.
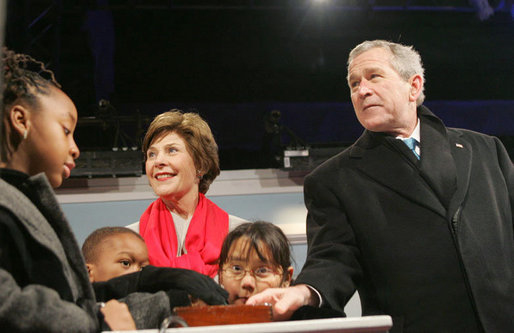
column 118, row 255
column 244, row 274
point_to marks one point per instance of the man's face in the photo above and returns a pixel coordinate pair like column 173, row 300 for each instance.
column 382, row 100
column 118, row 254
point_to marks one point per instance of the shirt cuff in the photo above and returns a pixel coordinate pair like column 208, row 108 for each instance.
column 320, row 300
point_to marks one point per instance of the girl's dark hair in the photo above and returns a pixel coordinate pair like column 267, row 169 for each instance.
column 23, row 78
column 260, row 233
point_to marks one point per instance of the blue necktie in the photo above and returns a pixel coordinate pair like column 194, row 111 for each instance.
column 411, row 143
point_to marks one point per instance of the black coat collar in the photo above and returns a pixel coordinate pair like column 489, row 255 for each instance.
column 431, row 182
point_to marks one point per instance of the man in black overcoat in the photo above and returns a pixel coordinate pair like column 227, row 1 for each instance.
column 415, row 216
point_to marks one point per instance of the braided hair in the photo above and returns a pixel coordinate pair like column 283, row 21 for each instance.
column 23, row 79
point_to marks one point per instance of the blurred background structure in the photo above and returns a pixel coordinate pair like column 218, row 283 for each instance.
column 268, row 75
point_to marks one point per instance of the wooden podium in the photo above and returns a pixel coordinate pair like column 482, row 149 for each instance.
column 224, row 314
column 376, row 324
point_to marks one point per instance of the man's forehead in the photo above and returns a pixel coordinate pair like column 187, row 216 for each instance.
column 372, row 68
column 375, row 59
column 376, row 54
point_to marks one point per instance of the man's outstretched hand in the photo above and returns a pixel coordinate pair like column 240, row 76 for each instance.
column 285, row 301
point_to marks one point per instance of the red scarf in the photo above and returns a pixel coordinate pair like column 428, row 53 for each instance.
column 204, row 237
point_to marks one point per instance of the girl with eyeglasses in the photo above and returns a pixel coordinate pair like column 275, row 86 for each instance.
column 254, row 256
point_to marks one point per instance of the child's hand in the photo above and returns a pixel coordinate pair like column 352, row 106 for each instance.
column 117, row 316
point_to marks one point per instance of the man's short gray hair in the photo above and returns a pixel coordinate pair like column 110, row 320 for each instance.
column 404, row 59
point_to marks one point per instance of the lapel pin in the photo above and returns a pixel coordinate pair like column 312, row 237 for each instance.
column 459, row 145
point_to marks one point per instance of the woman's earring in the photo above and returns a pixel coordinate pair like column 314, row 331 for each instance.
column 25, row 134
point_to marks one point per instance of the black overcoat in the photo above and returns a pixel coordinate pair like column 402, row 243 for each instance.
column 428, row 242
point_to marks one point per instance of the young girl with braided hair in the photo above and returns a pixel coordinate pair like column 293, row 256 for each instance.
column 45, row 286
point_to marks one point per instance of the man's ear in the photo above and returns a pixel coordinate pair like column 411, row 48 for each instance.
column 289, row 276
column 19, row 117
column 416, row 87
column 91, row 272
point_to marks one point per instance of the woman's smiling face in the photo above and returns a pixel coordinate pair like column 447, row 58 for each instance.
column 170, row 167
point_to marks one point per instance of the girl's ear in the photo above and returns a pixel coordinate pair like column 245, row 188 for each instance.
column 289, row 277
column 19, row 116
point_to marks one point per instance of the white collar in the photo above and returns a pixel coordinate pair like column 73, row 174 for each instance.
column 415, row 134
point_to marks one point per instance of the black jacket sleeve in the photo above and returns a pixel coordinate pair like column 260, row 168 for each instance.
column 172, row 280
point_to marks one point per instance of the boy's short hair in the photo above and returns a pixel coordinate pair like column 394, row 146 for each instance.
column 90, row 246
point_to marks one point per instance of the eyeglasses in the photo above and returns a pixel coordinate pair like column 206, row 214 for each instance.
column 237, row 272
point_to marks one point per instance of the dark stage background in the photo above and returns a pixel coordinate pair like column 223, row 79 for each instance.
column 235, row 62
